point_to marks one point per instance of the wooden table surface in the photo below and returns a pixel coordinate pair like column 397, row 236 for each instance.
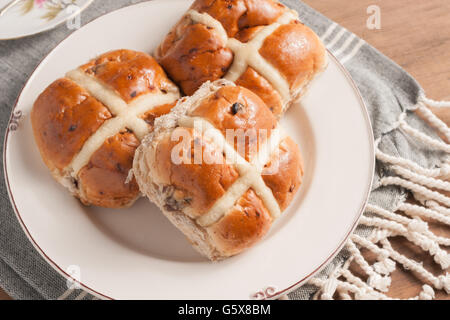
column 415, row 34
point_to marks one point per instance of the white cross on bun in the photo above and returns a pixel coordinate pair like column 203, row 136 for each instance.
column 88, row 124
column 222, row 207
column 258, row 44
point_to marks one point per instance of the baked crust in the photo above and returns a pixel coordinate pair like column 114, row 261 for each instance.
column 101, row 181
column 129, row 73
column 243, row 226
column 253, row 81
column 193, row 54
column 296, row 51
column 198, row 186
column 74, row 122
column 63, row 118
column 250, row 113
column 237, row 15
column 198, row 198
column 288, row 179
column 157, row 112
column 195, row 50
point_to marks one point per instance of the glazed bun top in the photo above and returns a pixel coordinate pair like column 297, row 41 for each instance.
column 258, row 44
column 241, row 15
column 232, row 189
column 130, row 74
column 88, row 124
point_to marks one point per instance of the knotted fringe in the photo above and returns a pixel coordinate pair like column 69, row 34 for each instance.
column 342, row 283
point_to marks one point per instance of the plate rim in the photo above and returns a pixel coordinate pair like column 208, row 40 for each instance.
column 273, row 296
column 369, row 126
column 50, row 26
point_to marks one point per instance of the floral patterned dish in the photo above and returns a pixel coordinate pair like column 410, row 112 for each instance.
column 28, row 17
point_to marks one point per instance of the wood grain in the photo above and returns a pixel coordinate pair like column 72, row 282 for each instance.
column 3, row 295
column 415, row 34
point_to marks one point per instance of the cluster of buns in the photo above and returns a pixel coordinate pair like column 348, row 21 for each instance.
column 106, row 130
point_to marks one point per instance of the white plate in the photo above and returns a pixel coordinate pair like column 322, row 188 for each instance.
column 137, row 253
column 29, row 17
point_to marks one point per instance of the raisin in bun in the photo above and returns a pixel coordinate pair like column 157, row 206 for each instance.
column 258, row 44
column 88, row 124
column 223, row 207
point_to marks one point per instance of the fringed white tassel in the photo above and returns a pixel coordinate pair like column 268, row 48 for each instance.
column 432, row 204
column 435, row 104
column 418, row 211
column 415, row 225
column 387, row 266
column 379, row 234
column 441, row 282
column 435, row 206
column 434, row 121
column 379, row 282
column 416, row 189
column 425, row 243
column 384, row 266
column 353, row 285
column 416, row 179
column 405, row 127
column 344, row 294
column 375, row 280
column 329, row 288
column 439, row 240
column 445, row 282
column 427, row 293
column 422, row 179
column 412, row 166
column 341, row 285
column 411, row 224
column 365, row 292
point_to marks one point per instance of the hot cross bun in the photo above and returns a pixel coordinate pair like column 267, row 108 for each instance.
column 258, row 44
column 222, row 194
column 88, row 124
